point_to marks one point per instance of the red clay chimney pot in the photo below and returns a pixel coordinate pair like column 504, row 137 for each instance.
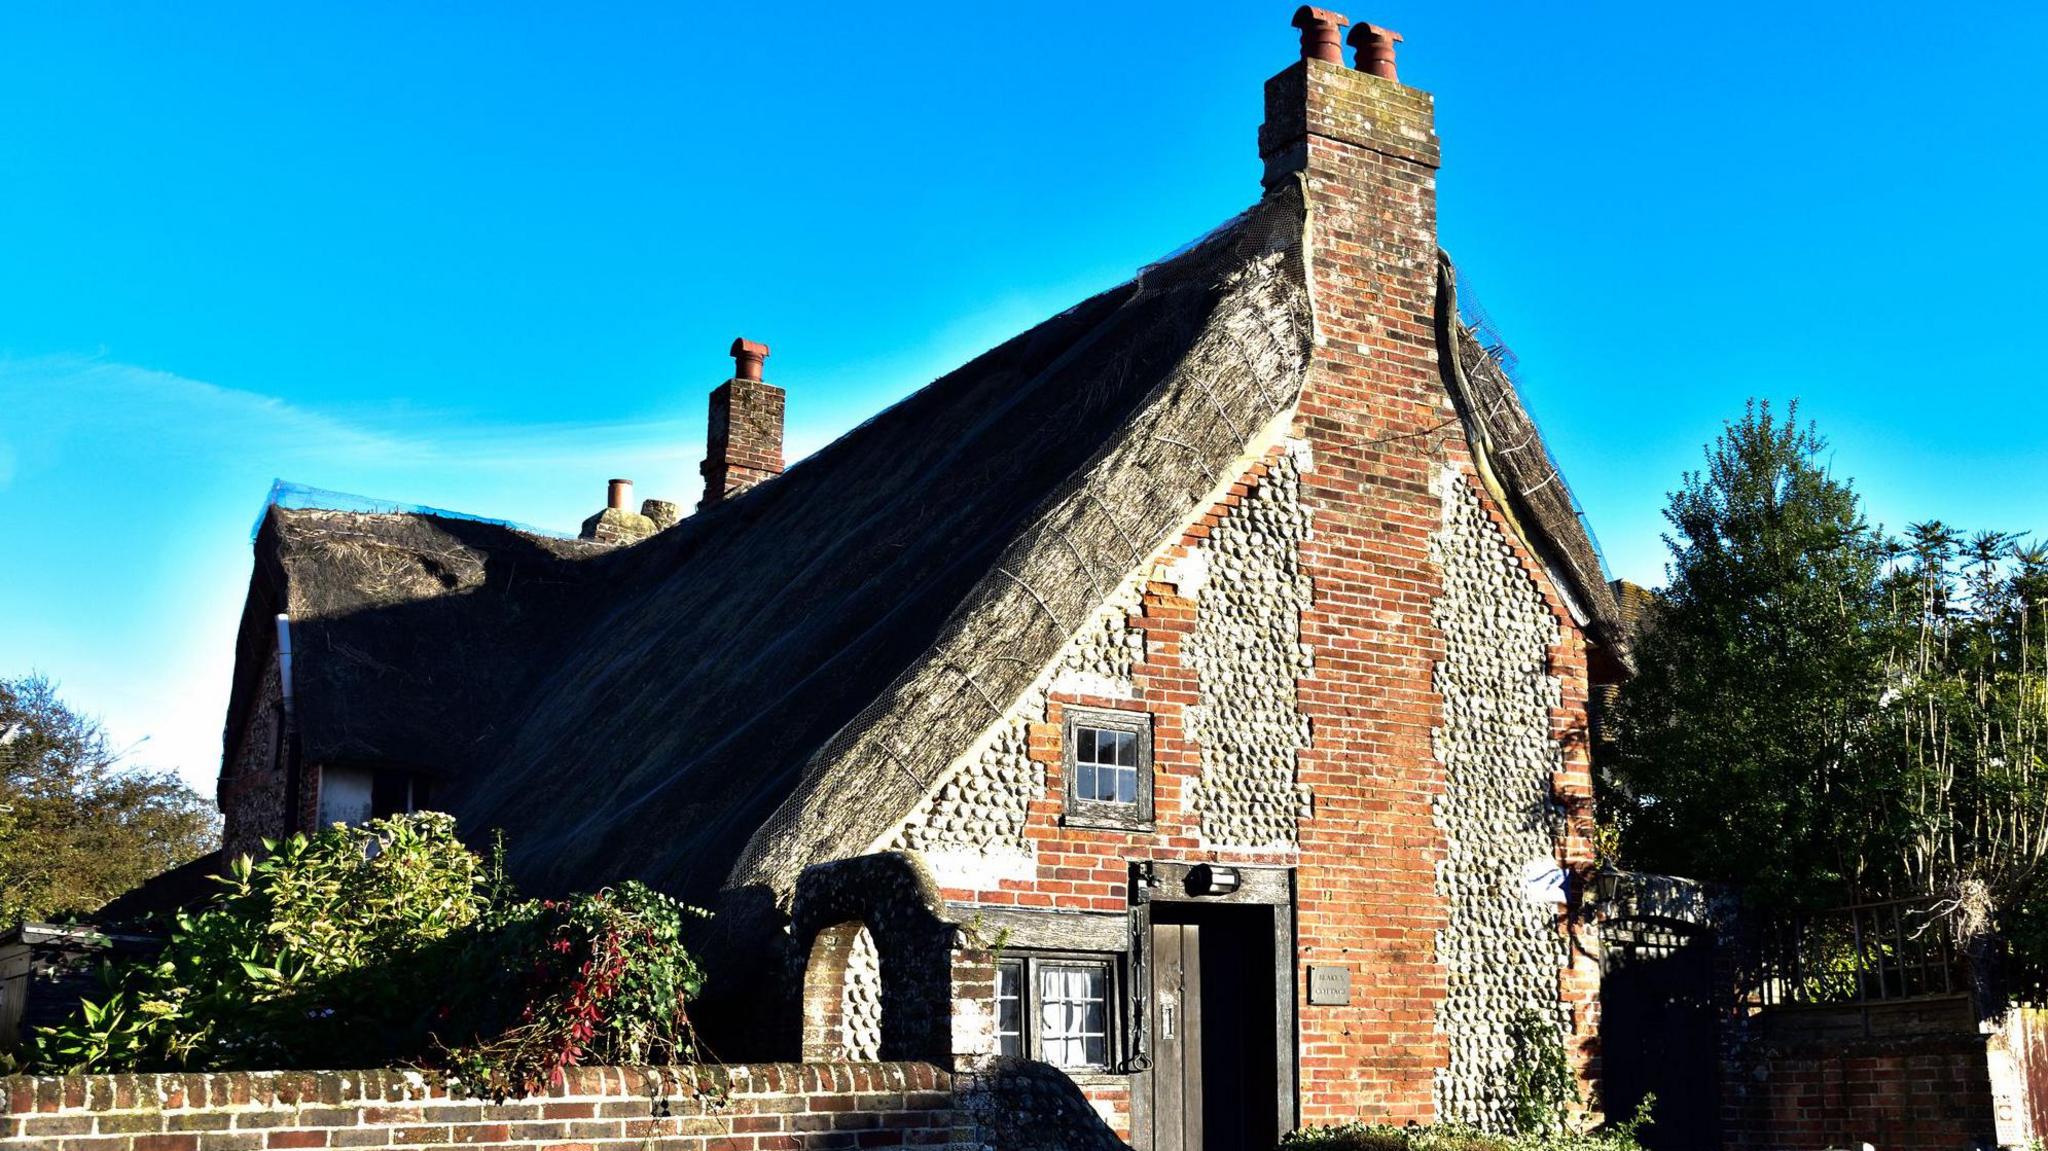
column 1321, row 33
column 747, row 356
column 620, row 495
column 1375, row 49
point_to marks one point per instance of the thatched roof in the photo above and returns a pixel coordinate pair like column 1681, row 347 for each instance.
column 411, row 631
column 775, row 680
column 1516, row 464
column 778, row 680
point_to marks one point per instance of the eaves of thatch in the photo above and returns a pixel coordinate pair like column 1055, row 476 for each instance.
column 1517, row 468
column 780, row 679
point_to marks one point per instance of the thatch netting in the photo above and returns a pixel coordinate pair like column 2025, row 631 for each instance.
column 1510, row 449
column 782, row 676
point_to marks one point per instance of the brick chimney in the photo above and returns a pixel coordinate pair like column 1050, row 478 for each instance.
column 744, row 442
column 1377, row 421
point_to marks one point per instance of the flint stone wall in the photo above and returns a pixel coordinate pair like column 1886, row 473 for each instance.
column 1247, row 653
column 982, row 806
column 1501, row 952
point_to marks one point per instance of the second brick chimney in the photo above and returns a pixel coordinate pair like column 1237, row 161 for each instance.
column 744, row 441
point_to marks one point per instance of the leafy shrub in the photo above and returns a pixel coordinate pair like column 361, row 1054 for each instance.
column 598, row 978
column 1542, row 1091
column 1380, row 1137
column 389, row 944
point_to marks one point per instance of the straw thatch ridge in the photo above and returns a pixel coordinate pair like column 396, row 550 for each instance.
column 792, row 668
column 1517, row 467
column 1191, row 433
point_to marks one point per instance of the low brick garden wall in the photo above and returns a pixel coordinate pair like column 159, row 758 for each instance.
column 762, row 1107
column 1901, row 1094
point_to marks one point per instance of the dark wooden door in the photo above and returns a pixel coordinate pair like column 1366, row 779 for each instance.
column 1213, row 1081
column 1176, row 1037
column 1658, row 1034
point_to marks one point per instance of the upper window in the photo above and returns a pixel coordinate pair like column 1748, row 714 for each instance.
column 1109, row 768
column 1055, row 1009
column 357, row 795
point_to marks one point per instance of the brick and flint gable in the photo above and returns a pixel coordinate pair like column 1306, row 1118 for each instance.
column 1356, row 664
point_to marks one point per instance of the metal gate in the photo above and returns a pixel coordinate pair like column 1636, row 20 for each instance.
column 1658, row 1032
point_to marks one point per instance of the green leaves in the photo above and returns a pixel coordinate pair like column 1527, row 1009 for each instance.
column 76, row 826
column 393, row 943
column 1823, row 714
column 1758, row 668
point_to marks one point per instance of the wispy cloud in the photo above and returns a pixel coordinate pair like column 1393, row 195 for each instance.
column 54, row 402
column 128, row 495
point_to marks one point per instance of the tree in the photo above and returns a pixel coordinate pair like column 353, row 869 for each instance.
column 1823, row 715
column 76, row 828
column 1738, row 740
column 1964, row 725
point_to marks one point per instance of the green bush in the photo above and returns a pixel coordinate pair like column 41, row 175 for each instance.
column 393, row 944
column 1380, row 1137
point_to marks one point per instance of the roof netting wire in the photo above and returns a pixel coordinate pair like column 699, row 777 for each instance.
column 299, row 497
column 1481, row 325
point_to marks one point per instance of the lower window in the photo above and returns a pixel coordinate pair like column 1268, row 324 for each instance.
column 1057, row 1009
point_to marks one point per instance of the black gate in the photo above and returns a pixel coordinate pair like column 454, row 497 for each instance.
column 1657, row 1031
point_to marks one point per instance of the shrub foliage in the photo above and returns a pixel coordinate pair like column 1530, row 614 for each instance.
column 1382, row 1137
column 393, row 944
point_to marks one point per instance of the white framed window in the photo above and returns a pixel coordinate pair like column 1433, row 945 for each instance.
column 1057, row 1009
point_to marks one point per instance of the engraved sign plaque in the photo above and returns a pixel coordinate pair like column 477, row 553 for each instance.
column 1329, row 986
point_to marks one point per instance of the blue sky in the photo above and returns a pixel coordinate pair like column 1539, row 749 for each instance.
column 484, row 256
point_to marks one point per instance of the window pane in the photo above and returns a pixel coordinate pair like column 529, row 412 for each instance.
column 1106, row 765
column 1074, row 1014
column 1010, row 1009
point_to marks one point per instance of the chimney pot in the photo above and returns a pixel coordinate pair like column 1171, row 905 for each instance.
column 747, row 356
column 1321, row 33
column 1375, row 49
column 620, row 495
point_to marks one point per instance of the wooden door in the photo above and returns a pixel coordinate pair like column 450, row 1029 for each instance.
column 1176, row 1037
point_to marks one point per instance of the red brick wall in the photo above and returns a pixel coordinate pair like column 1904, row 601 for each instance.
column 767, row 1107
column 1380, row 429
column 745, row 438
column 1904, row 1093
